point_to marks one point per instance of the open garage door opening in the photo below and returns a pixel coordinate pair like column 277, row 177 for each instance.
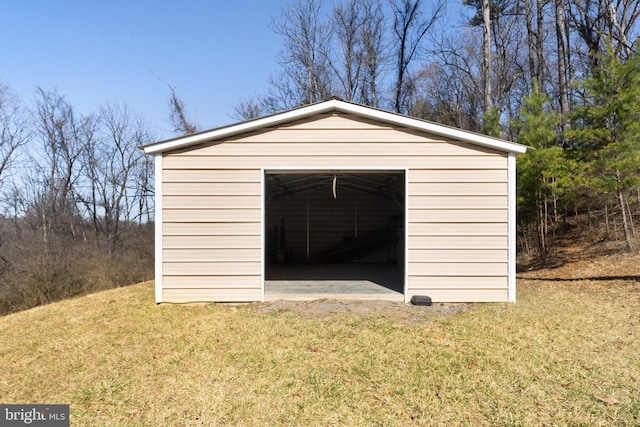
column 334, row 233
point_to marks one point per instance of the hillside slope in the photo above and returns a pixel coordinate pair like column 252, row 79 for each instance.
column 567, row 353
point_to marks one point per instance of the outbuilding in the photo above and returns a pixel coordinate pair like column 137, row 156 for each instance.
column 335, row 191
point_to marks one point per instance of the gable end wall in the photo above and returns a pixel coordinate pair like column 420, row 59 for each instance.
column 457, row 236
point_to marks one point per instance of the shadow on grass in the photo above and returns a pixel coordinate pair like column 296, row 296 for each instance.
column 575, row 279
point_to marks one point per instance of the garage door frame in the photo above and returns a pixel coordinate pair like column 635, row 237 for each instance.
column 359, row 169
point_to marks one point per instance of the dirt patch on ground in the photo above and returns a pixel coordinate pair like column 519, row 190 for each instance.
column 337, row 308
column 622, row 266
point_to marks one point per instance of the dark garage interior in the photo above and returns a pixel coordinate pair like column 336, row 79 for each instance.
column 332, row 231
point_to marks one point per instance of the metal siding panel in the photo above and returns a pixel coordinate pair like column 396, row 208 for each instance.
column 458, row 189
column 457, row 255
column 212, row 229
column 212, row 282
column 187, row 295
column 211, row 242
column 212, row 215
column 211, row 268
column 457, row 202
column 212, row 189
column 212, row 175
column 200, row 202
column 335, row 121
column 339, row 143
column 458, row 215
column 457, row 282
column 296, row 160
column 335, row 136
column 202, row 255
column 468, row 175
column 458, row 229
column 458, row 242
column 473, row 269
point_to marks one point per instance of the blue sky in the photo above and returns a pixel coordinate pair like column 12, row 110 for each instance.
column 93, row 52
column 213, row 52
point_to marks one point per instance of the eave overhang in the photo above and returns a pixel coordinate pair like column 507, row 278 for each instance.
column 338, row 106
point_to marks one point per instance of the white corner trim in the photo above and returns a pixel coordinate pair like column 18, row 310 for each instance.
column 511, row 166
column 263, row 212
column 158, row 226
column 406, row 236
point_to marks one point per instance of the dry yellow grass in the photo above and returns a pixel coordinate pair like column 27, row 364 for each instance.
column 568, row 353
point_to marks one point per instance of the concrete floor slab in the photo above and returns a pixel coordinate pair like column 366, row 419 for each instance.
column 309, row 281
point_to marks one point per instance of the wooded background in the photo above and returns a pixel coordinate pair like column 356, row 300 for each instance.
column 559, row 75
column 562, row 76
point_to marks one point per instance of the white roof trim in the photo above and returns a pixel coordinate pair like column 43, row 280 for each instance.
column 338, row 106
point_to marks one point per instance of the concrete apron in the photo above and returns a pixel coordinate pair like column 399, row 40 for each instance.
column 304, row 290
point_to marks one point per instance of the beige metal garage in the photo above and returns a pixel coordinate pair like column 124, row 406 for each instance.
column 340, row 190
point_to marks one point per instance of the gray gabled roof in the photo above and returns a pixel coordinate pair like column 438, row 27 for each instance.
column 334, row 105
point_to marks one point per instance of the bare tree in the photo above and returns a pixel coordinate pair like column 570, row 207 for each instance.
column 359, row 46
column 410, row 28
column 64, row 138
column 84, row 171
column 461, row 99
column 374, row 58
column 118, row 157
column 14, row 133
column 248, row 108
column 306, row 74
column 621, row 17
column 347, row 21
column 535, row 40
column 344, row 57
column 144, row 190
column 453, row 101
column 458, row 99
column 178, row 115
column 14, row 128
column 598, row 22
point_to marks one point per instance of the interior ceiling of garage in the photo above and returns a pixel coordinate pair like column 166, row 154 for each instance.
column 388, row 184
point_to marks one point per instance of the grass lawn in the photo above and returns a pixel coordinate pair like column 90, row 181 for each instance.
column 567, row 353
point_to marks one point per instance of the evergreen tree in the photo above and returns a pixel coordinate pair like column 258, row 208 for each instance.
column 545, row 175
column 606, row 133
column 491, row 122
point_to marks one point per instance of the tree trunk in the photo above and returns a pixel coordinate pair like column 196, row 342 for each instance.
column 625, row 222
column 486, row 57
column 542, row 245
column 633, row 228
column 620, row 29
column 530, row 39
column 606, row 218
column 540, row 46
column 563, row 84
column 546, row 224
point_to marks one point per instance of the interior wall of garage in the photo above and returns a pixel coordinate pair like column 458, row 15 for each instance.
column 308, row 225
